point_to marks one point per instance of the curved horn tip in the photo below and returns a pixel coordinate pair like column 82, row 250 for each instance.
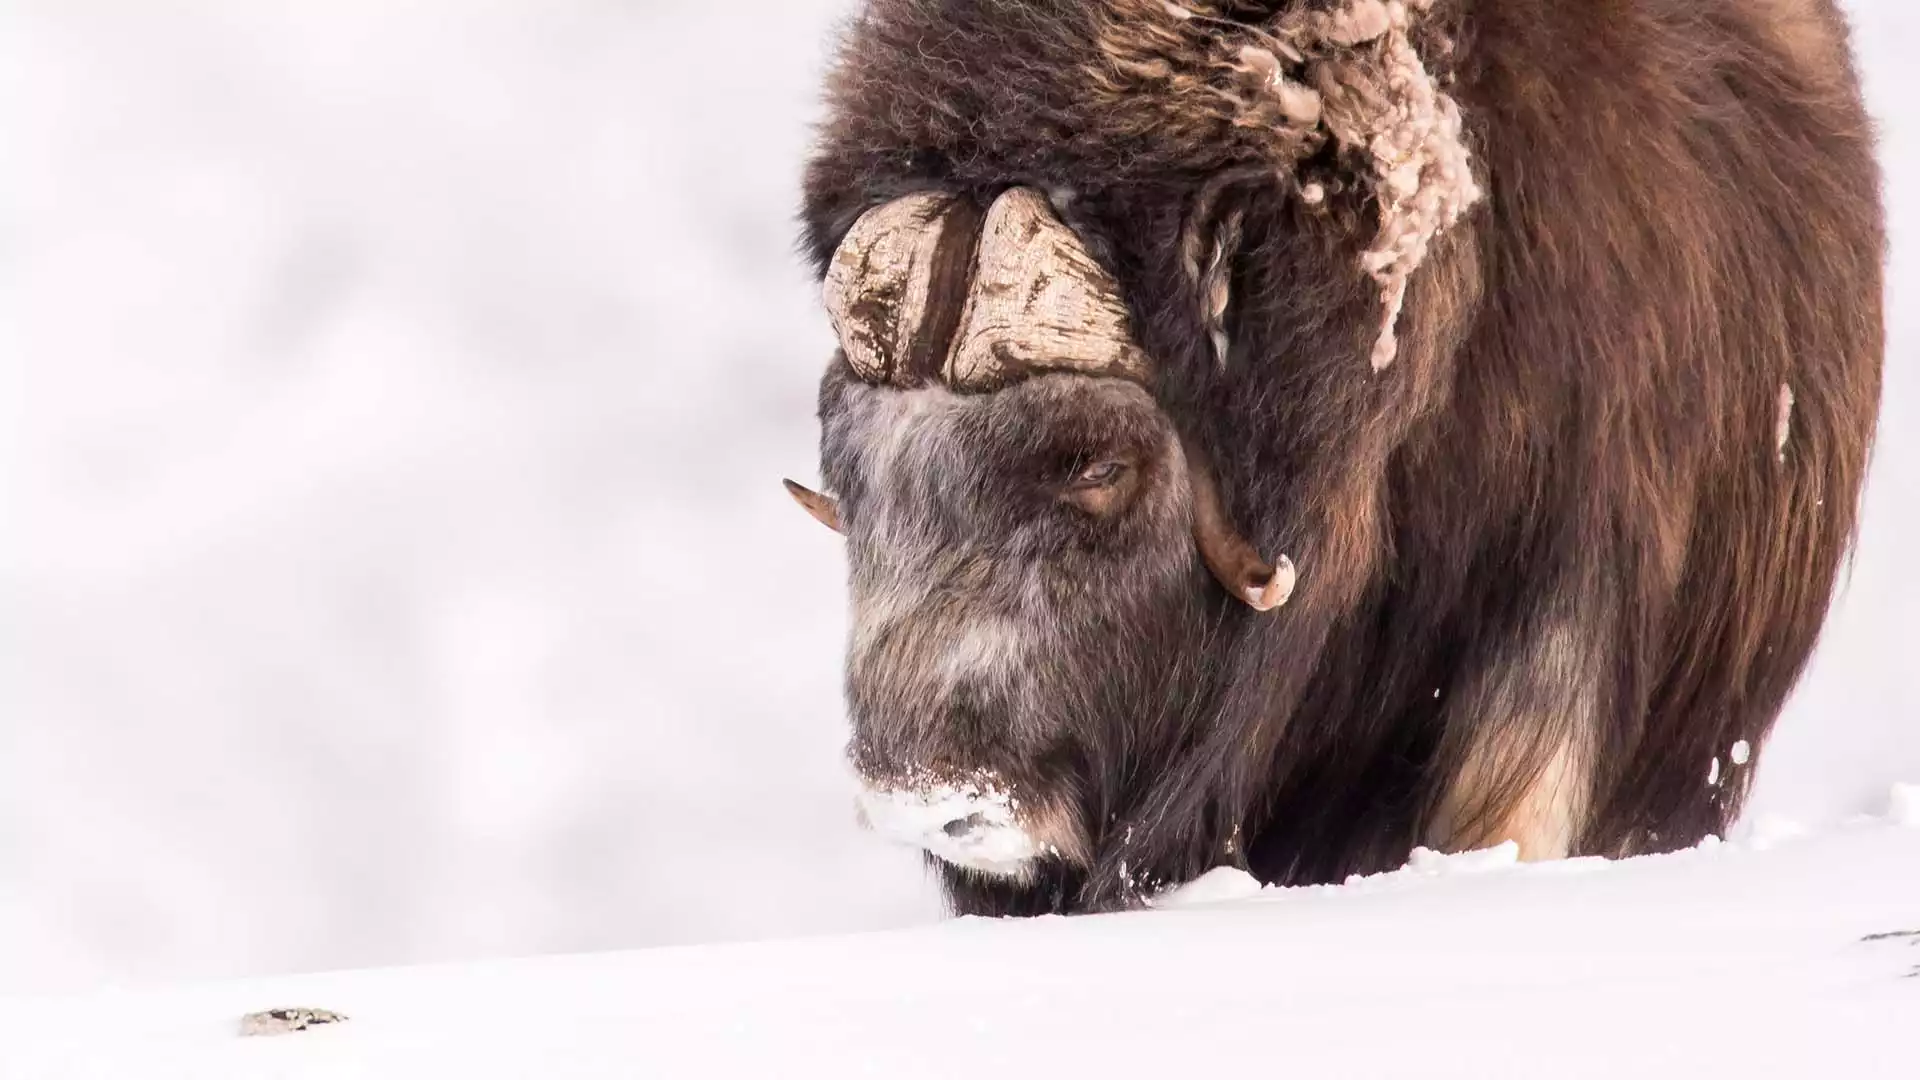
column 1275, row 590
column 825, row 509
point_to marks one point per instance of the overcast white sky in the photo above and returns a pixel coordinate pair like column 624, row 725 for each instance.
column 393, row 563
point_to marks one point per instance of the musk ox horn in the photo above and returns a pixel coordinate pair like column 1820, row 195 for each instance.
column 1234, row 562
column 896, row 285
column 824, row 508
column 1039, row 302
column 927, row 286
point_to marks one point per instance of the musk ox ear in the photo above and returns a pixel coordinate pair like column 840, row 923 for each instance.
column 1263, row 586
column 1210, row 241
column 1039, row 302
column 824, row 508
column 897, row 283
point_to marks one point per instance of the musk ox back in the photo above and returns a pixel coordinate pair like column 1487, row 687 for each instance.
column 1284, row 434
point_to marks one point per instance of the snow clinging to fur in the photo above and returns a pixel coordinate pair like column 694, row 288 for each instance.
column 1351, row 75
column 1420, row 159
column 970, row 823
column 1783, row 421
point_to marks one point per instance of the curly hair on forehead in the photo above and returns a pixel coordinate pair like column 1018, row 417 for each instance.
column 1289, row 85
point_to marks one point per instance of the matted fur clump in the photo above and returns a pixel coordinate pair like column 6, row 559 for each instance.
column 1314, row 101
column 1286, row 86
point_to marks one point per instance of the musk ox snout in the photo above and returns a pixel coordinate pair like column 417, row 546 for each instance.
column 970, row 825
column 1023, row 584
column 975, row 824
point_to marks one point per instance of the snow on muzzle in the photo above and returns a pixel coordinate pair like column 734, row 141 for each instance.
column 974, row 824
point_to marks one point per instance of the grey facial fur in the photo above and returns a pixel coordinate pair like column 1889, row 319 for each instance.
column 994, row 601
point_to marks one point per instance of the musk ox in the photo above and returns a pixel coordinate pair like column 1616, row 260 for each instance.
column 1286, row 434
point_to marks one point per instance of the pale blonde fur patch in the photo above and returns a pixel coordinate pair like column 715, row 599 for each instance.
column 1544, row 819
column 1526, row 775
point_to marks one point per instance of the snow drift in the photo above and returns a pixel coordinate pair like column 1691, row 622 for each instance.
column 1762, row 957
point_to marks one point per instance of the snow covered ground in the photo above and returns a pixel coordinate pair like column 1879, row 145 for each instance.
column 393, row 570
column 1795, row 958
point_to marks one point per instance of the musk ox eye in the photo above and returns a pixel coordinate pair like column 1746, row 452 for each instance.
column 1103, row 488
column 1100, row 474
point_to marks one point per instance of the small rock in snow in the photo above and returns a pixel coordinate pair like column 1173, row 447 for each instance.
column 286, row 1021
column 1903, row 805
column 1216, row 886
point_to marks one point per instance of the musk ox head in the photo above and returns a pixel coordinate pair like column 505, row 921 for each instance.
column 1034, row 551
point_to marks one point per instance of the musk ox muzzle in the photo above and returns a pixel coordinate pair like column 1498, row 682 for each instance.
column 973, row 824
column 1019, row 510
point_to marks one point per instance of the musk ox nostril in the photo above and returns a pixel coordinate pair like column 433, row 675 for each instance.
column 960, row 827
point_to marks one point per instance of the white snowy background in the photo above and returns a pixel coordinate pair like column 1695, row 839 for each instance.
column 393, row 566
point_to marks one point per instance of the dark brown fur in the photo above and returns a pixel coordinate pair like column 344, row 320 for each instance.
column 1569, row 473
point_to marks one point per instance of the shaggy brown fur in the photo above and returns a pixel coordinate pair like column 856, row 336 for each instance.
column 1580, row 537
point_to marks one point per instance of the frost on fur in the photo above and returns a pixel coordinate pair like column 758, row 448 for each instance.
column 1284, row 89
column 1782, row 422
column 1424, row 181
